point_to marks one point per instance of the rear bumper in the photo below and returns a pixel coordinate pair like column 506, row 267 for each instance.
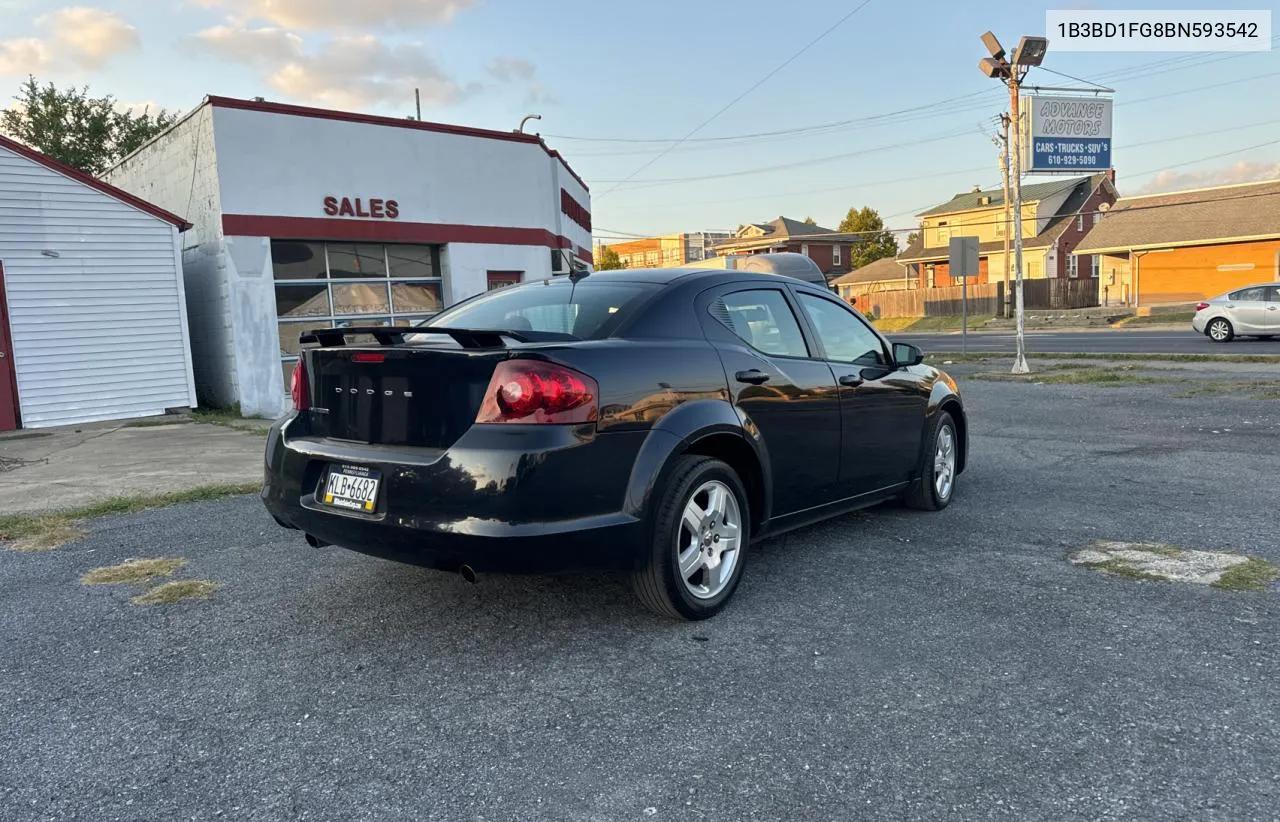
column 542, row 499
column 1199, row 321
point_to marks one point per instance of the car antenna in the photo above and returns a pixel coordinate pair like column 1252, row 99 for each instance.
column 576, row 274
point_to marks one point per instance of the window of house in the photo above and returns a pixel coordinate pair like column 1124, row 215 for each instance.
column 1096, row 217
column 944, row 233
column 763, row 320
column 1073, row 265
column 835, row 254
column 1094, row 265
column 1080, row 221
column 328, row 285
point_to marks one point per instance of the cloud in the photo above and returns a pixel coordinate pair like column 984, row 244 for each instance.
column 538, row 96
column 1241, row 172
column 74, row 38
column 507, row 69
column 342, row 72
column 321, row 15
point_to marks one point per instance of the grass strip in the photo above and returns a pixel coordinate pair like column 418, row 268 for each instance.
column 46, row 531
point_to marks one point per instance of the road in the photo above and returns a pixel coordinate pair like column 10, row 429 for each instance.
column 1079, row 342
column 886, row 665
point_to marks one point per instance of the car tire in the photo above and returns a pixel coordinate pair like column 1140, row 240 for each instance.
column 1219, row 330
column 690, row 577
column 933, row 489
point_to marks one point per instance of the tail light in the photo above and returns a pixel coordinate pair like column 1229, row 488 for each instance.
column 299, row 388
column 538, row 393
column 1201, row 306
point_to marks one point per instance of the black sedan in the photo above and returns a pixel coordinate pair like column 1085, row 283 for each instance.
column 655, row 421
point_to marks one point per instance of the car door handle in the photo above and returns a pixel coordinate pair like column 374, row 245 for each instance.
column 852, row 380
column 1271, row 308
column 753, row 376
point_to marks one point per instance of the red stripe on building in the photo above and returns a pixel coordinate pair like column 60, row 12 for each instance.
column 389, row 231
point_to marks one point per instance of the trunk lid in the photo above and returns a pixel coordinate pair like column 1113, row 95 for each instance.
column 421, row 396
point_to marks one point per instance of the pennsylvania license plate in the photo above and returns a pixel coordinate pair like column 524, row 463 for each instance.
column 351, row 486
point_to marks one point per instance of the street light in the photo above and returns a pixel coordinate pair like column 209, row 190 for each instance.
column 1030, row 52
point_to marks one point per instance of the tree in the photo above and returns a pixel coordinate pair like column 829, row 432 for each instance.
column 609, row 260
column 912, row 238
column 88, row 133
column 874, row 243
column 810, row 221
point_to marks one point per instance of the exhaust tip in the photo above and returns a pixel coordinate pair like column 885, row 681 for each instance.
column 316, row 542
column 469, row 574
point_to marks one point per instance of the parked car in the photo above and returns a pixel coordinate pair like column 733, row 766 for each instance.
column 1252, row 311
column 657, row 421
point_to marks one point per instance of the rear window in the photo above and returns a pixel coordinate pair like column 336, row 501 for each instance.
column 586, row 311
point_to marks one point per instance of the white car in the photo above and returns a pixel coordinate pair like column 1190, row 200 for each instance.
column 1252, row 311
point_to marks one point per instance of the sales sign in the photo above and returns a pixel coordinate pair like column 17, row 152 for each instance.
column 1066, row 134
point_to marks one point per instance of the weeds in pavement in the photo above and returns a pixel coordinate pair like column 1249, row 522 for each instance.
column 1270, row 389
column 170, row 592
column 42, row 532
column 1075, row 377
column 1253, row 575
column 1123, row 568
column 133, row 571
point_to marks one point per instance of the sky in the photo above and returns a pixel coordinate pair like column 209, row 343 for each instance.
column 619, row 83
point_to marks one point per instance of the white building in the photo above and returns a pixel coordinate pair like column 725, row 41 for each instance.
column 307, row 217
column 92, row 315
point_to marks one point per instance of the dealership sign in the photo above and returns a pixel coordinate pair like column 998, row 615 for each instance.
column 1066, row 134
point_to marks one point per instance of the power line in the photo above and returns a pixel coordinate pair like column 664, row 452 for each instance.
column 735, row 100
column 1127, row 209
column 798, row 163
column 1137, row 71
column 641, row 184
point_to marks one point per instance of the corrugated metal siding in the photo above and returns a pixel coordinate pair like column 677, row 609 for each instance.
column 98, row 331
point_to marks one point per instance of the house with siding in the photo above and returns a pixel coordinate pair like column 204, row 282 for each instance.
column 885, row 274
column 1055, row 215
column 93, row 322
column 1186, row 246
column 828, row 248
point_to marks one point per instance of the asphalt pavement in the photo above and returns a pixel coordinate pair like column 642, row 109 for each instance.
column 887, row 665
column 1108, row 341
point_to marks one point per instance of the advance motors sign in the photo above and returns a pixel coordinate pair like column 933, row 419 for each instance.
column 1066, row 134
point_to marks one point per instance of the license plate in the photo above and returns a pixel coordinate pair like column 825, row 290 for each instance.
column 351, row 486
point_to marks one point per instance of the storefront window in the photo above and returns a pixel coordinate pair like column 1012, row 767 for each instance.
column 415, row 298
column 298, row 261
column 411, row 261
column 360, row 298
column 302, row 300
column 323, row 285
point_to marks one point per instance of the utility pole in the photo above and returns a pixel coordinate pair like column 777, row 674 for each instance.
column 417, row 102
column 1020, row 358
column 1004, row 174
column 1029, row 53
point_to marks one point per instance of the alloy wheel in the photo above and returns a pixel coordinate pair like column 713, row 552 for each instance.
column 709, row 540
column 1219, row 330
column 944, row 462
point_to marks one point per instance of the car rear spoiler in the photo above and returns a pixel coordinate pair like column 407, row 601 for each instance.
column 394, row 335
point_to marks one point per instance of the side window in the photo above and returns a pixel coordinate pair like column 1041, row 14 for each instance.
column 1274, row 296
column 846, row 338
column 764, row 321
column 1251, row 295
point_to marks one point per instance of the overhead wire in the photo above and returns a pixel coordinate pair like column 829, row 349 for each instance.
column 735, row 100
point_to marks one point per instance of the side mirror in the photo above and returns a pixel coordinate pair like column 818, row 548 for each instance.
column 905, row 355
